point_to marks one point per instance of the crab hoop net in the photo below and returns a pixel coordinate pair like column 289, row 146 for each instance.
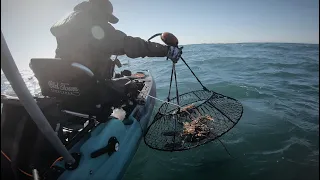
column 202, row 117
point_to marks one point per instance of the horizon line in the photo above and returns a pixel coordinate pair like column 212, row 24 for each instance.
column 252, row 43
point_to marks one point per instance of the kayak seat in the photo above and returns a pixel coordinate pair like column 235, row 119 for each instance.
column 74, row 85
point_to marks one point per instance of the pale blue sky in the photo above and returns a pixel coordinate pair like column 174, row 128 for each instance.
column 26, row 23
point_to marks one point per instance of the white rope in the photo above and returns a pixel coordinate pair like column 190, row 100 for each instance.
column 193, row 118
column 160, row 100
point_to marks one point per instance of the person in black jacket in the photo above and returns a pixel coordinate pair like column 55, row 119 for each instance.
column 86, row 36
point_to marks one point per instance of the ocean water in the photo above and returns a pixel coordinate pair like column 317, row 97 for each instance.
column 278, row 136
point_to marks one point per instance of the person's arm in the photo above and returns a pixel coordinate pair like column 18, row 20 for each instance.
column 135, row 47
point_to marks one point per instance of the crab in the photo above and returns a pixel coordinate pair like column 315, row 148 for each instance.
column 197, row 129
column 187, row 108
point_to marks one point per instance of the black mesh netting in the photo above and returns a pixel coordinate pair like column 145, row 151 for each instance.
column 203, row 116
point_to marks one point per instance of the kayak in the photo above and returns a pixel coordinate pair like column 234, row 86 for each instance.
column 102, row 145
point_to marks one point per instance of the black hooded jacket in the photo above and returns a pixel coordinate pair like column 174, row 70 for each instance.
column 86, row 36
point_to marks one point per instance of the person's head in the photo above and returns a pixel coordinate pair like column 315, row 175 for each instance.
column 107, row 7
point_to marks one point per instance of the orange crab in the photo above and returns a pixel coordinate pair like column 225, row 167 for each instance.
column 197, row 129
column 188, row 107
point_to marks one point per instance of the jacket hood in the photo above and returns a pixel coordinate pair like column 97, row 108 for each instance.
column 101, row 9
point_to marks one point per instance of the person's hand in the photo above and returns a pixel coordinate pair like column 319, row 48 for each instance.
column 174, row 53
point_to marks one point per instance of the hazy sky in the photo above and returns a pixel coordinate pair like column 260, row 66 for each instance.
column 26, row 23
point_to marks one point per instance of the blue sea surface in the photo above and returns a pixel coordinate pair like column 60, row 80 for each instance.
column 278, row 135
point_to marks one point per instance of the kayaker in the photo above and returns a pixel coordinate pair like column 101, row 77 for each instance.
column 86, row 36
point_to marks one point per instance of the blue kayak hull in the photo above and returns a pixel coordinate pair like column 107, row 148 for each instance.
column 129, row 136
